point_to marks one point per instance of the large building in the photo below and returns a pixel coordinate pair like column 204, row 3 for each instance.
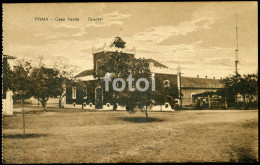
column 88, row 92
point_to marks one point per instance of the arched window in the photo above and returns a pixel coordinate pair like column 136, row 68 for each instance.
column 85, row 93
column 74, row 94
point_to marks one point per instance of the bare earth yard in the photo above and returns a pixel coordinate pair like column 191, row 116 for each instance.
column 85, row 136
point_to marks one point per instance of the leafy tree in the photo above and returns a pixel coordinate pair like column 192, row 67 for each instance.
column 117, row 64
column 231, row 88
column 46, row 83
column 21, row 80
column 21, row 84
column 246, row 85
column 7, row 77
column 120, row 66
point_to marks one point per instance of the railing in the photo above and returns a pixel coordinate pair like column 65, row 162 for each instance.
column 163, row 70
column 113, row 49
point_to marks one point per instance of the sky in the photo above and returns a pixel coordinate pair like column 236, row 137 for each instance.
column 198, row 36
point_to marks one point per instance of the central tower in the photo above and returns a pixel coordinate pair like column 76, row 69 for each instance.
column 117, row 46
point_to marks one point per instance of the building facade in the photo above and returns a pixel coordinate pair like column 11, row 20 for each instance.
column 87, row 91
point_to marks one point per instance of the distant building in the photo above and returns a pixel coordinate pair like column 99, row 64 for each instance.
column 88, row 92
column 191, row 86
column 7, row 95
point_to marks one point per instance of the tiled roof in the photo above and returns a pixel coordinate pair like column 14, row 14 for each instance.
column 156, row 63
column 85, row 73
column 192, row 82
column 90, row 72
column 8, row 57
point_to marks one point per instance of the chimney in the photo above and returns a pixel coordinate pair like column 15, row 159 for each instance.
column 206, row 76
column 198, row 76
column 220, row 78
column 214, row 77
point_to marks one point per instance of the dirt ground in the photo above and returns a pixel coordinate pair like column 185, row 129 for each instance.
column 85, row 136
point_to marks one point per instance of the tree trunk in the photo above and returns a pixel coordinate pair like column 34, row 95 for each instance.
column 226, row 105
column 60, row 102
column 44, row 103
column 23, row 118
column 146, row 114
column 45, row 106
column 244, row 101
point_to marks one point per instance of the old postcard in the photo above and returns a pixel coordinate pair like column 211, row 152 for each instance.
column 130, row 82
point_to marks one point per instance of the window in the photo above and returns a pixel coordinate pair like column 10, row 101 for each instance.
column 85, row 92
column 74, row 92
column 166, row 83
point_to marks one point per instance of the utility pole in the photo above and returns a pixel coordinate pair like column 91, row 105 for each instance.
column 236, row 54
column 236, row 51
column 179, row 84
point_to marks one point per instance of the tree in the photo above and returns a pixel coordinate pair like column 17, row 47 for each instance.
column 7, row 77
column 231, row 88
column 46, row 83
column 143, row 99
column 118, row 66
column 121, row 66
column 21, row 80
column 246, row 85
column 21, row 83
column 66, row 71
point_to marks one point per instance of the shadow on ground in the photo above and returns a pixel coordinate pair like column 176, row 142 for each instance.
column 245, row 155
column 21, row 136
column 141, row 119
column 60, row 110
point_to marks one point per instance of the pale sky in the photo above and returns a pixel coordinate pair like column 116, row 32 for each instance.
column 199, row 36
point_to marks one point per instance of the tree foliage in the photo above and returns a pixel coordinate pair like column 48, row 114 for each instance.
column 120, row 66
column 21, row 80
column 40, row 82
column 7, row 77
column 46, row 83
column 246, row 85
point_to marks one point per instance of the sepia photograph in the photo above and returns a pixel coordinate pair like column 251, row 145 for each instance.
column 130, row 82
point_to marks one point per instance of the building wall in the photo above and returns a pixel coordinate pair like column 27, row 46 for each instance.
column 187, row 94
column 8, row 103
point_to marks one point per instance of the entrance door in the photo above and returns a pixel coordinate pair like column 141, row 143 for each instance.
column 99, row 99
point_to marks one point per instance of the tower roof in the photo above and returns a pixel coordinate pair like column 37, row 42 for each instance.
column 118, row 42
